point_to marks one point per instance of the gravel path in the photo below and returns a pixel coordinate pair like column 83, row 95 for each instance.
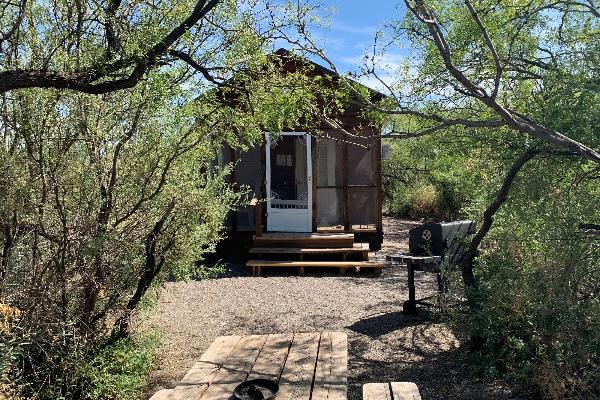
column 384, row 345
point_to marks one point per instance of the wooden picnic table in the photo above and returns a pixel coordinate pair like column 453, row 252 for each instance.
column 307, row 366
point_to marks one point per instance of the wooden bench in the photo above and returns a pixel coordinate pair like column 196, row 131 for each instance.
column 391, row 391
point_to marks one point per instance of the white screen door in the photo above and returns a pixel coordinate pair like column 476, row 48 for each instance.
column 289, row 183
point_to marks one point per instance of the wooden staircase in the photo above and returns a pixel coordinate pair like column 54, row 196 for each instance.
column 310, row 250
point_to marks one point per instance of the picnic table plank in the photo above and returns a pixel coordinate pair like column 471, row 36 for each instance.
column 332, row 367
column 198, row 378
column 377, row 391
column 297, row 376
column 405, row 391
column 236, row 367
column 271, row 359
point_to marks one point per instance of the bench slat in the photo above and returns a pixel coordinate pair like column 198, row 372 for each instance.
column 235, row 369
column 332, row 367
column 271, row 359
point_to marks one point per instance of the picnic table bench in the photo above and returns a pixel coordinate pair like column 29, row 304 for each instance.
column 391, row 391
column 307, row 366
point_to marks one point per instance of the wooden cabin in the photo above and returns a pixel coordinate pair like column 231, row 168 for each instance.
column 319, row 186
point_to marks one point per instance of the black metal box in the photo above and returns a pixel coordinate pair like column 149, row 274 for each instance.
column 443, row 239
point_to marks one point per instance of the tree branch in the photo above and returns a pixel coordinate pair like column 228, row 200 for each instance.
column 488, row 216
column 490, row 45
column 152, row 268
column 514, row 121
column 87, row 81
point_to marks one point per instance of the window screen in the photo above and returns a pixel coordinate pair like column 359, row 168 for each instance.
column 360, row 166
column 362, row 206
column 329, row 163
column 249, row 171
column 330, row 213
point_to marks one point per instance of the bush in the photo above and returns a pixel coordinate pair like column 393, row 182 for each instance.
column 424, row 184
column 531, row 326
column 535, row 315
column 119, row 371
column 44, row 365
column 537, row 318
column 438, row 201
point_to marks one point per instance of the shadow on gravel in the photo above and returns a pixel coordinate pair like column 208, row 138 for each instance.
column 413, row 345
column 383, row 324
column 437, row 378
column 415, row 357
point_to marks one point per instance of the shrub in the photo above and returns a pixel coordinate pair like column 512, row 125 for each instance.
column 45, row 365
column 531, row 326
column 119, row 370
column 439, row 201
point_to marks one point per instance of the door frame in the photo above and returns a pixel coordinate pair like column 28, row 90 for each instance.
column 309, row 209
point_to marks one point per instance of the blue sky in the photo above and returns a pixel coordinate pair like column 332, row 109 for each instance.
column 352, row 29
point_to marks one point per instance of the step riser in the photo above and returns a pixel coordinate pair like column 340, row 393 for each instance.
column 312, row 257
column 311, row 243
column 359, row 252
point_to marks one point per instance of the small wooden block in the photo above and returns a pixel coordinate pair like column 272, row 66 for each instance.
column 377, row 391
column 405, row 391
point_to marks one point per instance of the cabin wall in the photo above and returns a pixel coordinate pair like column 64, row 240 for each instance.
column 346, row 184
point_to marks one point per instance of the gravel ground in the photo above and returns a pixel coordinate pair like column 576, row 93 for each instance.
column 383, row 344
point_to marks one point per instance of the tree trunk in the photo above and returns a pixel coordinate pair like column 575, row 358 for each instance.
column 6, row 250
column 468, row 261
column 10, row 232
column 152, row 267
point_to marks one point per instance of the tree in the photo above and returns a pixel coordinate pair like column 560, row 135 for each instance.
column 491, row 67
column 505, row 94
column 111, row 117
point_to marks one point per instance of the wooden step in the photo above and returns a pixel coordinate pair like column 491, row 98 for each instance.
column 357, row 248
column 257, row 265
column 305, row 240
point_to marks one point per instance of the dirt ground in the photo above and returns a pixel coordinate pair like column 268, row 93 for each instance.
column 383, row 344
